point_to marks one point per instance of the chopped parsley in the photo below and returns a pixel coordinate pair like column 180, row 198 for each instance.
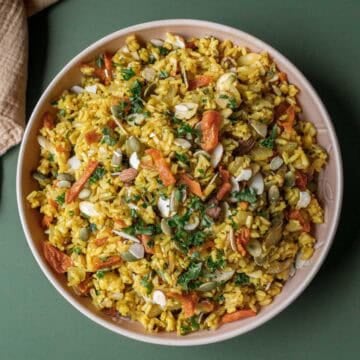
column 247, row 194
column 186, row 279
column 163, row 74
column 135, row 99
column 127, row 73
column 60, row 199
column 241, row 279
column 182, row 158
column 147, row 284
column 109, row 137
column 141, row 228
column 232, row 104
column 76, row 250
column 100, row 274
column 121, row 109
column 189, row 325
column 51, row 157
column 269, row 142
column 97, row 175
column 62, row 112
column 218, row 263
column 163, row 51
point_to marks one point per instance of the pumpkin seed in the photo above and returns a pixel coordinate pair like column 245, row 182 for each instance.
column 254, row 248
column 276, row 163
column 133, row 145
column 304, row 200
column 63, row 184
column 66, row 177
column 84, row 194
column 165, row 228
column 224, row 276
column 289, row 179
column 259, row 127
column 257, row 184
column 211, row 285
column 41, row 178
column 273, row 194
column 84, row 234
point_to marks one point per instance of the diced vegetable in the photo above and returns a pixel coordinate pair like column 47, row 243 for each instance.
column 162, row 167
column 74, row 191
column 210, row 129
column 193, row 185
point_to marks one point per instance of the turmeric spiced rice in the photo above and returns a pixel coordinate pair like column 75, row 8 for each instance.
column 177, row 183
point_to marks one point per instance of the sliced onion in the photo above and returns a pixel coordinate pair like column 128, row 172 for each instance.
column 164, row 207
column 245, row 175
column 134, row 160
column 217, row 155
column 91, row 89
column 76, row 89
column 304, row 200
column 159, row 298
column 74, row 163
column 185, row 110
column 126, row 236
column 88, row 208
column 157, row 42
column 137, row 250
column 276, row 163
column 257, row 184
column 182, row 143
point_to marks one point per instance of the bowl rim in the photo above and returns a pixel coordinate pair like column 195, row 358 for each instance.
column 214, row 336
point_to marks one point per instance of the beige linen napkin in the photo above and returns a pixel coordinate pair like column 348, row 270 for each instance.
column 13, row 69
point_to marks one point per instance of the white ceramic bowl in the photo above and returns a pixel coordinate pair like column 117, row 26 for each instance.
column 330, row 183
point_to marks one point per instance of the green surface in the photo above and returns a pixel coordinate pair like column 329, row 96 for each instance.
column 321, row 38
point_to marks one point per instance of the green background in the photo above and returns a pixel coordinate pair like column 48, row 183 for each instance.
column 321, row 38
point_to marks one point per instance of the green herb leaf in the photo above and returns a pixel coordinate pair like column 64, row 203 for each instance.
column 60, row 199
column 127, row 73
column 247, row 194
column 163, row 74
column 163, row 51
column 241, row 279
column 97, row 175
column 109, row 137
column 100, row 274
column 147, row 284
column 192, row 273
column 92, row 227
column 269, row 142
column 182, row 158
column 218, row 263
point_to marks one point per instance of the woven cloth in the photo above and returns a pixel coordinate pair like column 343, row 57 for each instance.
column 13, row 69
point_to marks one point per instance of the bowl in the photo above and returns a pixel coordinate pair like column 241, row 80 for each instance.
column 330, row 181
